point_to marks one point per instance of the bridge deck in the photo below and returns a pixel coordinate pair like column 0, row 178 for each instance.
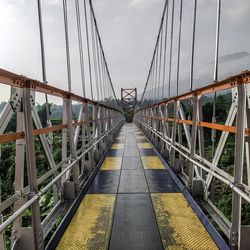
column 133, row 203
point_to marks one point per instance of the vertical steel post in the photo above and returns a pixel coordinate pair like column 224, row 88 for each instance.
column 64, row 139
column 90, row 154
column 173, row 137
column 200, row 132
column 31, row 167
column 72, row 145
column 193, row 141
column 238, row 165
column 19, row 166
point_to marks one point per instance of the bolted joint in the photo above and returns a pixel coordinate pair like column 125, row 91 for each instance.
column 234, row 239
column 30, row 195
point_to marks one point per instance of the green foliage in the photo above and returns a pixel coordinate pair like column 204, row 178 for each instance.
column 7, row 169
column 41, row 109
column 129, row 115
column 225, row 205
column 46, row 203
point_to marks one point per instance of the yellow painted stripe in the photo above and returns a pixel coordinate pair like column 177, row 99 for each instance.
column 120, row 137
column 140, row 137
column 91, row 225
column 121, row 134
column 144, row 145
column 152, row 162
column 180, row 228
column 112, row 163
column 117, row 146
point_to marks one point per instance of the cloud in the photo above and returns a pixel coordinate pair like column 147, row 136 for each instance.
column 232, row 57
column 143, row 2
column 52, row 2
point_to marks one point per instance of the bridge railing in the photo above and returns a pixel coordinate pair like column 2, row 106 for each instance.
column 198, row 148
column 72, row 154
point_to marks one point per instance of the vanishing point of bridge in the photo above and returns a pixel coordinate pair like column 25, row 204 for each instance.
column 75, row 175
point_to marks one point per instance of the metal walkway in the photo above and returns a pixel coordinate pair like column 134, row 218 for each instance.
column 134, row 203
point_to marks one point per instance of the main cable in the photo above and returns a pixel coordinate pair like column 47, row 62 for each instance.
column 102, row 51
column 152, row 61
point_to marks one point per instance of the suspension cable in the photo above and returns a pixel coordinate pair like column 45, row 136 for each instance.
column 171, row 50
column 44, row 75
column 165, row 50
column 160, row 59
column 98, row 56
column 93, row 39
column 66, row 33
column 179, row 50
column 102, row 51
column 78, row 21
column 152, row 61
column 88, row 49
column 156, row 72
column 192, row 47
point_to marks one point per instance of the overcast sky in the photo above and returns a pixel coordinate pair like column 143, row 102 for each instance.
column 128, row 29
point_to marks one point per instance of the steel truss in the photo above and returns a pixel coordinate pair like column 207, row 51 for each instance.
column 129, row 99
column 88, row 138
column 181, row 141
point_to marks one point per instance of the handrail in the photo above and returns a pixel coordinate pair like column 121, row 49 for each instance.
column 21, row 210
column 8, row 137
column 221, row 178
column 216, row 126
column 19, row 81
column 229, row 83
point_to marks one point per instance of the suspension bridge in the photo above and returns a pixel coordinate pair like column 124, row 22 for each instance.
column 75, row 175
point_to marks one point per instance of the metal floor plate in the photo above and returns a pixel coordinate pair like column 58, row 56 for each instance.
column 112, row 163
column 142, row 140
column 115, row 152
column 91, row 225
column 133, row 181
column 152, row 162
column 132, row 163
column 131, row 151
column 133, row 203
column 147, row 152
column 105, row 182
column 144, row 145
column 117, row 146
column 134, row 225
column 160, row 181
column 179, row 226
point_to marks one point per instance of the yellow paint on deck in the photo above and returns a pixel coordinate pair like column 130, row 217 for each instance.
column 140, row 137
column 144, row 145
column 179, row 226
column 152, row 162
column 139, row 134
column 120, row 137
column 91, row 225
column 117, row 146
column 112, row 163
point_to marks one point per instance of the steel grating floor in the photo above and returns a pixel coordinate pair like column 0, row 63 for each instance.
column 134, row 203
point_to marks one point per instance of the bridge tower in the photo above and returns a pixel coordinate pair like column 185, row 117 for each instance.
column 129, row 100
